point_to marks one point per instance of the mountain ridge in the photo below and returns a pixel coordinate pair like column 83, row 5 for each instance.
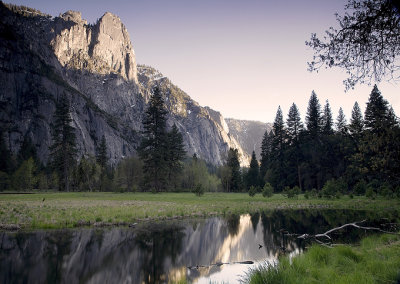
column 43, row 58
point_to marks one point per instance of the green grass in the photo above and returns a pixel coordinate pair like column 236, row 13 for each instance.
column 70, row 209
column 375, row 260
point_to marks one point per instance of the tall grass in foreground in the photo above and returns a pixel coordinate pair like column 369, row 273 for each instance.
column 375, row 260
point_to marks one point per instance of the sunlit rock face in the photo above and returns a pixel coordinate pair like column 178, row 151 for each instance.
column 249, row 134
column 102, row 48
column 43, row 58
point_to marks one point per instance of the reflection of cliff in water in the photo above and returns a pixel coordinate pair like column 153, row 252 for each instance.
column 159, row 252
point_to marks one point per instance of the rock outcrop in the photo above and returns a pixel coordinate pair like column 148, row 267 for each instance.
column 249, row 134
column 43, row 58
column 102, row 48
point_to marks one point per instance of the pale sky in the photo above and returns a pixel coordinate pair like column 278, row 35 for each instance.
column 242, row 58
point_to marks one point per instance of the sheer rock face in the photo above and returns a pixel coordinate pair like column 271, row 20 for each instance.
column 43, row 58
column 249, row 134
column 103, row 48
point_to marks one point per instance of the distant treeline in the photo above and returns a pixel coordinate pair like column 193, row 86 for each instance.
column 323, row 157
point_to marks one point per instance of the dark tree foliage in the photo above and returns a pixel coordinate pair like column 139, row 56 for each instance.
column 234, row 167
column 293, row 154
column 276, row 172
column 175, row 154
column 356, row 126
column 327, row 121
column 153, row 148
column 294, row 125
column 266, row 148
column 7, row 163
column 366, row 44
column 63, row 150
column 312, row 157
column 27, row 150
column 377, row 113
column 101, row 156
column 379, row 147
column 313, row 117
column 253, row 175
column 341, row 122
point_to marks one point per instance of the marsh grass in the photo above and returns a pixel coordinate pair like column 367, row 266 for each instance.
column 59, row 210
column 375, row 260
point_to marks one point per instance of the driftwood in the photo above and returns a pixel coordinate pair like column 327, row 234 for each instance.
column 220, row 263
column 320, row 237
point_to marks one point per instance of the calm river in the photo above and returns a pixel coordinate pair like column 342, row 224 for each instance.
column 200, row 251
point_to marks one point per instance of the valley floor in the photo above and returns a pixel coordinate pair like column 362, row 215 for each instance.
column 65, row 210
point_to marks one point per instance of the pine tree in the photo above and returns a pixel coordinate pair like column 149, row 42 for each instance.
column 377, row 115
column 7, row 163
column 327, row 121
column 101, row 156
column 63, row 150
column 175, row 155
column 313, row 117
column 356, row 126
column 153, row 148
column 27, row 150
column 294, row 129
column 266, row 148
column 294, row 125
column 279, row 132
column 234, row 166
column 277, row 173
column 254, row 172
column 341, row 123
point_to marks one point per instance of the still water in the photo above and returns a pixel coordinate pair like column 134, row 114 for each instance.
column 201, row 251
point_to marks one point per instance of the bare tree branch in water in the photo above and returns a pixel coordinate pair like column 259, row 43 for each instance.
column 319, row 237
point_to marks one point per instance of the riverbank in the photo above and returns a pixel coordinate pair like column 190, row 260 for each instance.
column 66, row 210
column 375, row 260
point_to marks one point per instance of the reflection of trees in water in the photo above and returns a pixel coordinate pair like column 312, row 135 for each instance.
column 255, row 218
column 232, row 222
column 160, row 243
column 149, row 253
column 275, row 223
column 59, row 245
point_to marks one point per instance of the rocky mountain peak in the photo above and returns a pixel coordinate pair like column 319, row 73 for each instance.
column 73, row 16
column 103, row 48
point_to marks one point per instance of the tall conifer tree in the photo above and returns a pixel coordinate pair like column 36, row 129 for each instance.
column 341, row 123
column 254, row 172
column 175, row 155
column 327, row 121
column 313, row 116
column 153, row 149
column 356, row 126
column 63, row 150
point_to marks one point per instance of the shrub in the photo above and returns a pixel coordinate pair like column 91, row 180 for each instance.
column 370, row 193
column 386, row 191
column 268, row 190
column 332, row 188
column 291, row 192
column 199, row 189
column 360, row 187
column 252, row 191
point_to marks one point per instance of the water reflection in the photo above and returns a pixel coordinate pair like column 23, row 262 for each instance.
column 162, row 252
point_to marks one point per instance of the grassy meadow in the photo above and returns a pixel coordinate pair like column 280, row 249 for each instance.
column 375, row 260
column 64, row 210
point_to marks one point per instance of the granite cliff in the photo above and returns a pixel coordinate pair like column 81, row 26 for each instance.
column 248, row 134
column 43, row 58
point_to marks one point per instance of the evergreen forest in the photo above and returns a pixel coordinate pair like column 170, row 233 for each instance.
column 324, row 156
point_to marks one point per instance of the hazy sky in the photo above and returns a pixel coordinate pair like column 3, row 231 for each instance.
column 242, row 58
